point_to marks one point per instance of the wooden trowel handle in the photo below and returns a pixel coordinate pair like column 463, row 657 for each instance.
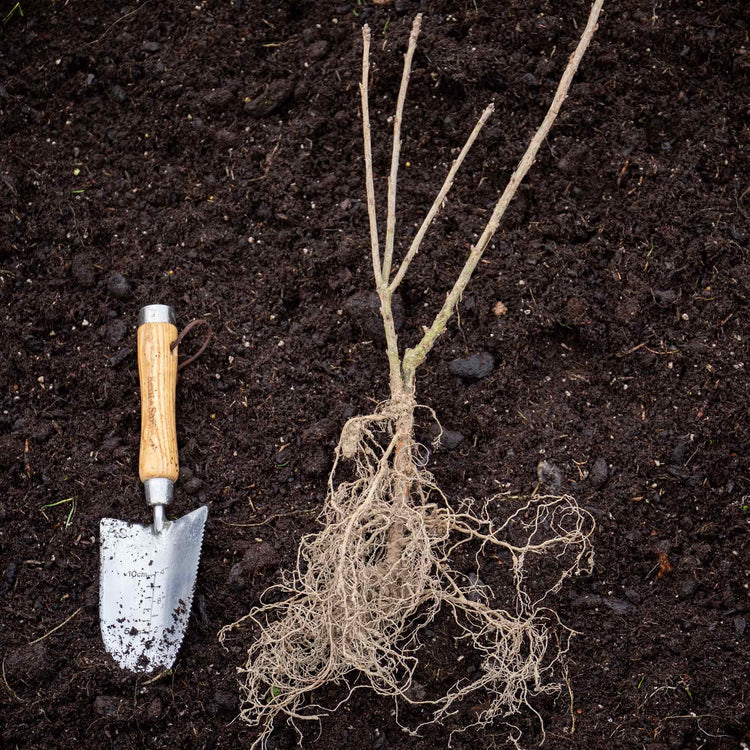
column 157, row 369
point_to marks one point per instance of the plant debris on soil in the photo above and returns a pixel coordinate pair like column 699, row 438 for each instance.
column 209, row 157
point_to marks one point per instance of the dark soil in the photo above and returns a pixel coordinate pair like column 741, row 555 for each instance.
column 209, row 156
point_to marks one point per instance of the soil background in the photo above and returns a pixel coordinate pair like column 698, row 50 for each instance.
column 208, row 155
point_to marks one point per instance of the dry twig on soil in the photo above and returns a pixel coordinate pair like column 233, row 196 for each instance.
column 364, row 588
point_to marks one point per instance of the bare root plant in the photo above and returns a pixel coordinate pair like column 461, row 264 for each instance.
column 364, row 588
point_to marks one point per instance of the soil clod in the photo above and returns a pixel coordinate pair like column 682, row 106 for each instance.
column 31, row 664
column 119, row 286
column 116, row 332
column 688, row 588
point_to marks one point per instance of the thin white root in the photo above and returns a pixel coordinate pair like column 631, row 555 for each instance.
column 352, row 611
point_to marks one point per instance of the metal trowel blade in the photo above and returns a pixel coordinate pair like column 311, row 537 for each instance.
column 146, row 588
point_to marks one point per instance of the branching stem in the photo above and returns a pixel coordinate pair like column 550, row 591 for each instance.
column 414, row 357
column 403, row 371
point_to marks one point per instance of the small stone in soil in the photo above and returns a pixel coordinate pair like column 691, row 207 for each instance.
column 599, row 473
column 43, row 434
column 151, row 46
column 549, row 476
column 677, row 456
column 10, row 573
column 119, row 286
column 416, row 691
column 450, row 439
column 632, row 596
column 475, row 367
column 119, row 94
column 499, row 309
column 318, row 50
column 225, row 701
column 33, row 344
column 272, row 99
column 226, row 138
column 219, row 99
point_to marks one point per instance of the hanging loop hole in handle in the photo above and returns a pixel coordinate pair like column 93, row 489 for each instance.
column 184, row 332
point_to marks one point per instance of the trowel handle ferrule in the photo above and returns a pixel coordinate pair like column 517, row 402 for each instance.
column 157, row 369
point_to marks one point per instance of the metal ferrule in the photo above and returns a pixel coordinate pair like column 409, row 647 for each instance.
column 159, row 491
column 158, row 495
column 156, row 314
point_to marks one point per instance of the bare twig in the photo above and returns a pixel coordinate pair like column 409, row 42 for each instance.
column 438, row 204
column 390, row 231
column 414, row 357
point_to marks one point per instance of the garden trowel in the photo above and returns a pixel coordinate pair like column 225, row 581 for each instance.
column 148, row 572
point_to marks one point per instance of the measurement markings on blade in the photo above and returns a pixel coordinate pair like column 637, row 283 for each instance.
column 155, row 591
column 149, row 594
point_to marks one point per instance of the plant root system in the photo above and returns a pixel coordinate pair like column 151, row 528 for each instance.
column 380, row 571
column 383, row 567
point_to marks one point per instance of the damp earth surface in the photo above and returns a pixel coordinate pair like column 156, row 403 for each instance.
column 208, row 156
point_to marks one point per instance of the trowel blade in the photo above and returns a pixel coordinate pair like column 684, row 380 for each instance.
column 146, row 588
